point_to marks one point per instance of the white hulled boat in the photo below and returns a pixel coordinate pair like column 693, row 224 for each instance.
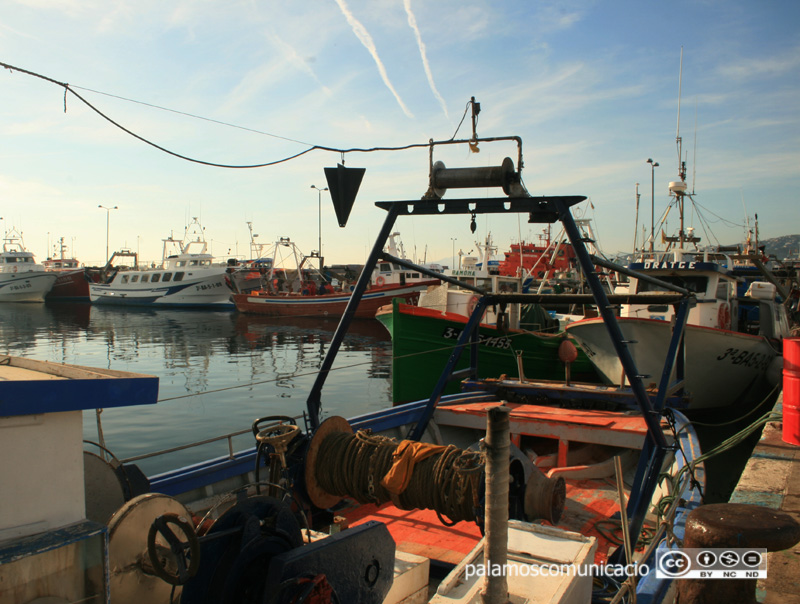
column 21, row 278
column 729, row 361
column 189, row 278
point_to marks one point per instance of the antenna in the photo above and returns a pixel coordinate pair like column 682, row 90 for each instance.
column 746, row 215
column 636, row 228
column 678, row 140
column 694, row 159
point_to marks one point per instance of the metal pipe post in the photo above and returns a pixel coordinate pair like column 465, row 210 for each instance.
column 495, row 550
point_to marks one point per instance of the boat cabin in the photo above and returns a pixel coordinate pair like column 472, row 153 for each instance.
column 53, row 545
column 14, row 254
column 714, row 287
column 61, row 264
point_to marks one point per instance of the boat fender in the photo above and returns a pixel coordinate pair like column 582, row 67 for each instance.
column 473, row 302
column 380, row 281
column 724, row 316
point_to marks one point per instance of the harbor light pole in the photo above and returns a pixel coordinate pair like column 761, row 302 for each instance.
column 108, row 213
column 653, row 166
column 454, row 239
column 319, row 225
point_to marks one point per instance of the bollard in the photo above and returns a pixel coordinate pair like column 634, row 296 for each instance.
column 495, row 552
column 721, row 525
column 791, row 391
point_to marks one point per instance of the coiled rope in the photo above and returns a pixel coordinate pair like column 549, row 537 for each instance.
column 353, row 465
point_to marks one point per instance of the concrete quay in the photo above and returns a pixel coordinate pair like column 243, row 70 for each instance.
column 771, row 478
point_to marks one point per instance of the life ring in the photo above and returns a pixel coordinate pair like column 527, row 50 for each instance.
column 724, row 316
column 380, row 281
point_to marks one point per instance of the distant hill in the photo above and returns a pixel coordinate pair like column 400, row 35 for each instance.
column 787, row 246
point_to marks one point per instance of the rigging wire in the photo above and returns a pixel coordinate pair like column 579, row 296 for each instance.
column 70, row 89
column 192, row 115
column 466, row 109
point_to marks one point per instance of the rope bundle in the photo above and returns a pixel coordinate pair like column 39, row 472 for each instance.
column 354, row 465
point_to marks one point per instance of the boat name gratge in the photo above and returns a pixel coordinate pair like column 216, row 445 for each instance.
column 651, row 264
column 451, row 333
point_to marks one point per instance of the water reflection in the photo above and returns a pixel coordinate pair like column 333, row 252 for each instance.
column 248, row 366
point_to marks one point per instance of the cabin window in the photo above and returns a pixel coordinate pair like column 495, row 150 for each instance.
column 145, row 278
column 181, row 263
column 385, row 267
column 205, row 263
column 178, row 276
column 166, row 277
column 134, row 278
column 696, row 285
column 155, row 278
column 193, row 263
column 722, row 290
column 124, row 278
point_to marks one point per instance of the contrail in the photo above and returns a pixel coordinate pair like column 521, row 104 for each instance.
column 412, row 21
column 362, row 34
column 295, row 59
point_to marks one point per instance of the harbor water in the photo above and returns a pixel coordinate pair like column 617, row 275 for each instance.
column 218, row 370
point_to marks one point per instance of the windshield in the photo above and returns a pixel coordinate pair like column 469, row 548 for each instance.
column 697, row 285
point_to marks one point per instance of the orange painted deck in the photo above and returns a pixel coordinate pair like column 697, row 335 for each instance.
column 420, row 532
column 609, row 428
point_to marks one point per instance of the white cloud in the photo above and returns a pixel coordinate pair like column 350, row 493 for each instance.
column 763, row 67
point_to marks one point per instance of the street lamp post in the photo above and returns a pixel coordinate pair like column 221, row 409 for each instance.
column 653, row 166
column 108, row 214
column 454, row 239
column 319, row 225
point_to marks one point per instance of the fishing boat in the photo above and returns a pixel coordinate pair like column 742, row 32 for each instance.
column 423, row 335
column 21, row 278
column 229, row 530
column 301, row 290
column 727, row 361
column 72, row 284
column 188, row 278
column 423, row 339
column 541, row 260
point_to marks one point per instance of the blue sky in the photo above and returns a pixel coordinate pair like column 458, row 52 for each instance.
column 590, row 87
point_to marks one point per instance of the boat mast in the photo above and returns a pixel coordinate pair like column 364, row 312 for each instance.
column 678, row 141
column 636, row 224
column 678, row 187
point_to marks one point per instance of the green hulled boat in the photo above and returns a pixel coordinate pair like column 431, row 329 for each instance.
column 423, row 340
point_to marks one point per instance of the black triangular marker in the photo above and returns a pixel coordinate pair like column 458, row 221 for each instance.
column 343, row 183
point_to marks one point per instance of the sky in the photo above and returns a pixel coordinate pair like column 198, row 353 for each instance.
column 592, row 88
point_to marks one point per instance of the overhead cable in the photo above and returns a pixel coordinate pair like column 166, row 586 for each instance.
column 70, row 89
